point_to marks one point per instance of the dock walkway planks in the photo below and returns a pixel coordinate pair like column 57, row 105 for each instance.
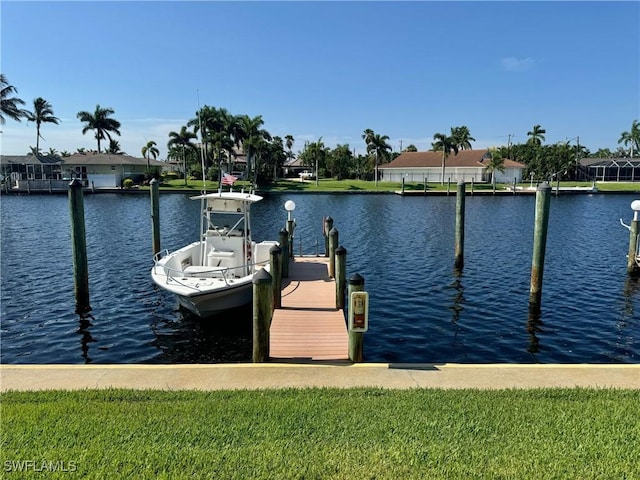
column 308, row 326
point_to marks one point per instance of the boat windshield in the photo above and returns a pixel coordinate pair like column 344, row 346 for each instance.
column 227, row 223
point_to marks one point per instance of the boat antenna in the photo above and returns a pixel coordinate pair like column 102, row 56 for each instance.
column 204, row 182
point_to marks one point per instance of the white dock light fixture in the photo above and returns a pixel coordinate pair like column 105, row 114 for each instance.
column 289, row 206
column 635, row 206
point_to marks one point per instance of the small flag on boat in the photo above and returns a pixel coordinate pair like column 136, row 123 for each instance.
column 228, row 179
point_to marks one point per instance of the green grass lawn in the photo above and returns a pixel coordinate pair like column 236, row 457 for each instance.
column 326, row 433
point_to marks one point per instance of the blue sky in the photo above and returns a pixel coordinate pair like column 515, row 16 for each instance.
column 327, row 69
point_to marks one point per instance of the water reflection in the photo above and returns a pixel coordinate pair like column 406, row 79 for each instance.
column 629, row 294
column 534, row 326
column 458, row 297
column 226, row 337
column 86, row 338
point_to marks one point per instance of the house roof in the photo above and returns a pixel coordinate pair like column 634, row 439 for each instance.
column 79, row 159
column 464, row 158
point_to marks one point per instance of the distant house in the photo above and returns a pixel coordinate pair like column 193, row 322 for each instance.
column 466, row 165
column 612, row 169
column 97, row 170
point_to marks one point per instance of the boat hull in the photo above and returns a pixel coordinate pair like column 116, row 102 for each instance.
column 205, row 304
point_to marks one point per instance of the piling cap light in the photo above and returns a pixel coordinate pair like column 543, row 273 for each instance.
column 635, row 205
column 289, row 206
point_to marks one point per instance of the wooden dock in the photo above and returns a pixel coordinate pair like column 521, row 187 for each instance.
column 308, row 326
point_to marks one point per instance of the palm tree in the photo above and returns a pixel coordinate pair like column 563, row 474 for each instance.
column 495, row 164
column 114, row 148
column 9, row 105
column 537, row 135
column 182, row 139
column 253, row 138
column 462, row 137
column 150, row 149
column 289, row 143
column 100, row 122
column 445, row 144
column 631, row 137
column 42, row 113
column 378, row 145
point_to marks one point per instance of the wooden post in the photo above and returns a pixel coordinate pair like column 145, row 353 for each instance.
column 539, row 245
column 341, row 276
column 632, row 266
column 425, row 185
column 262, row 313
column 515, row 184
column 29, row 187
column 155, row 214
column 79, row 247
column 402, row 185
column 472, row 181
column 333, row 245
column 448, row 186
column 356, row 339
column 290, row 227
column 328, row 225
column 276, row 273
column 284, row 245
column 459, row 240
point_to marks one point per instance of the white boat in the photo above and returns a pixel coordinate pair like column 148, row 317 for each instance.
column 215, row 273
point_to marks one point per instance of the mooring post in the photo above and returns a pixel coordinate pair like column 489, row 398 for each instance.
column 290, row 227
column 328, row 225
column 539, row 245
column 515, row 185
column 79, row 247
column 356, row 339
column 448, row 186
column 459, row 241
column 262, row 313
column 425, row 186
column 472, row 181
column 632, row 265
column 155, row 214
column 284, row 245
column 402, row 185
column 341, row 276
column 333, row 245
column 275, row 259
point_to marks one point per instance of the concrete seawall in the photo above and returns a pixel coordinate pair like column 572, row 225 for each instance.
column 289, row 375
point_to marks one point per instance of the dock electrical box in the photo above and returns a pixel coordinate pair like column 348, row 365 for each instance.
column 359, row 312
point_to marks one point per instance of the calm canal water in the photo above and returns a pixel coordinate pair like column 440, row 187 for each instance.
column 420, row 310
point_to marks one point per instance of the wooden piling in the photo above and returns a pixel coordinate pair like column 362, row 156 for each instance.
column 448, row 186
column 402, row 186
column 515, row 185
column 79, row 247
column 632, row 265
column 341, row 276
column 328, row 225
column 539, row 245
column 284, row 245
column 459, row 233
column 155, row 214
column 290, row 227
column 262, row 314
column 333, row 245
column 275, row 260
column 356, row 339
